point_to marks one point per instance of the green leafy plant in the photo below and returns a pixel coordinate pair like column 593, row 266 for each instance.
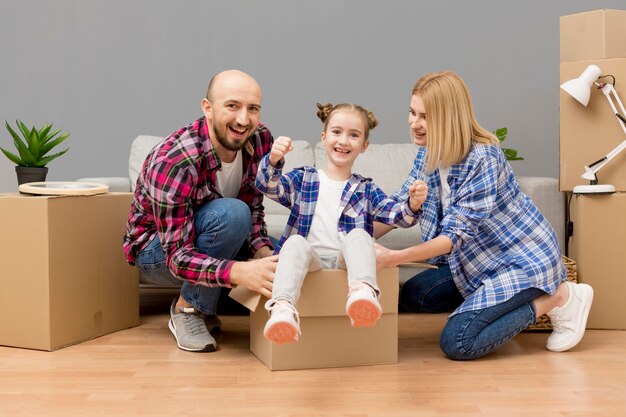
column 34, row 144
column 511, row 154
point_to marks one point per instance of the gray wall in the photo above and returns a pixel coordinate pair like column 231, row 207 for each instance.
column 107, row 71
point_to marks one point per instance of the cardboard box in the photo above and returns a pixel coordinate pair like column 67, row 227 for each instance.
column 327, row 340
column 598, row 246
column 64, row 276
column 590, row 133
column 599, row 34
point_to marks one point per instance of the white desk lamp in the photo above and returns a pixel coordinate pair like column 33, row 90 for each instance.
column 580, row 89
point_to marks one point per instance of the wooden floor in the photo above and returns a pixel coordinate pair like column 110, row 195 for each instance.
column 141, row 372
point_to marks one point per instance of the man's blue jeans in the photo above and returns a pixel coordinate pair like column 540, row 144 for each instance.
column 221, row 227
column 471, row 334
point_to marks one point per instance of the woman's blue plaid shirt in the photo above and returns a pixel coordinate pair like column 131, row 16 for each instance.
column 502, row 244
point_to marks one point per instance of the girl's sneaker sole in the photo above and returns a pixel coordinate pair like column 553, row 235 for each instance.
column 363, row 313
column 281, row 333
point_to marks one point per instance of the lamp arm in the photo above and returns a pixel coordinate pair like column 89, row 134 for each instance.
column 591, row 170
column 609, row 90
column 611, row 94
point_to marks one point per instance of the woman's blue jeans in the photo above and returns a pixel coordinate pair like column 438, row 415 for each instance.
column 221, row 227
column 471, row 334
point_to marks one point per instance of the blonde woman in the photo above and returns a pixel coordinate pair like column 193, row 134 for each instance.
column 499, row 260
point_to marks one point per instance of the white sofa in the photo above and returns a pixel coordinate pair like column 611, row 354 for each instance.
column 387, row 164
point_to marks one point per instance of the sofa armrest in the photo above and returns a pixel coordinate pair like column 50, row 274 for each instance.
column 115, row 184
column 544, row 192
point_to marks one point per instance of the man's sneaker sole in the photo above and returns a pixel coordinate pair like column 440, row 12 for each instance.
column 281, row 333
column 363, row 313
column 587, row 299
column 207, row 348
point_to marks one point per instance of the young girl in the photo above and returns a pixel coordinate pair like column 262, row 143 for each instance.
column 331, row 220
column 499, row 259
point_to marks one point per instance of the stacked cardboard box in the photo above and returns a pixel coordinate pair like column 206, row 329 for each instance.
column 64, row 276
column 586, row 135
column 599, row 247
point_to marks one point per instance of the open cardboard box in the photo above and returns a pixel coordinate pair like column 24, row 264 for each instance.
column 327, row 340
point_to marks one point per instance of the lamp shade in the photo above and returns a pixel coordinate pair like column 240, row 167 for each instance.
column 580, row 88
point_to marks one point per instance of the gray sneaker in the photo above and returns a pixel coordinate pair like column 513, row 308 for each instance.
column 190, row 330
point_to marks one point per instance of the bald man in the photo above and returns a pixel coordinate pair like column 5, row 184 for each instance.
column 196, row 216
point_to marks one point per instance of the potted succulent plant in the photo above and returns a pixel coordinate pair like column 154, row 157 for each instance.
column 33, row 146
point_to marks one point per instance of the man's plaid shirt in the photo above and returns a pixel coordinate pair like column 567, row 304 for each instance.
column 178, row 176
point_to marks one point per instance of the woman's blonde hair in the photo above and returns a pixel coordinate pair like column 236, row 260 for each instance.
column 326, row 110
column 451, row 125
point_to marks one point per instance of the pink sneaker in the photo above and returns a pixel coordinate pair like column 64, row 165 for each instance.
column 283, row 326
column 362, row 307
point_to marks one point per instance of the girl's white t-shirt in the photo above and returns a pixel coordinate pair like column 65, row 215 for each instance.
column 324, row 233
column 444, row 190
column 229, row 177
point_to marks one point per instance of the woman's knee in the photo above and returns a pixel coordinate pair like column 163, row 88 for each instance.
column 412, row 296
column 452, row 344
column 426, row 294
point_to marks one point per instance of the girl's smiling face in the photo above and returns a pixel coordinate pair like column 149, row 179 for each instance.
column 344, row 138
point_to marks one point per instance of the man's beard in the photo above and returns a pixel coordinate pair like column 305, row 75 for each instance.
column 221, row 138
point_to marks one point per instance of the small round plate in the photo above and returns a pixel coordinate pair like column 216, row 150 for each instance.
column 63, row 188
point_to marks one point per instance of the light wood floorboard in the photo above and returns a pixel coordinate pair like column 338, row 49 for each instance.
column 141, row 372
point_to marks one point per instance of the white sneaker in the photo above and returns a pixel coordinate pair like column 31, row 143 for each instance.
column 569, row 321
column 283, row 326
column 362, row 306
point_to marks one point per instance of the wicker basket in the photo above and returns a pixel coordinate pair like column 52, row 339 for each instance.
column 543, row 322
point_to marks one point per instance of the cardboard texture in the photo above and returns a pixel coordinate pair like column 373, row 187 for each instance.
column 598, row 34
column 598, row 246
column 64, row 276
column 327, row 340
column 590, row 133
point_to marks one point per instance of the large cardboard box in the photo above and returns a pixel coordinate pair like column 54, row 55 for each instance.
column 598, row 34
column 599, row 248
column 328, row 340
column 590, row 133
column 64, row 276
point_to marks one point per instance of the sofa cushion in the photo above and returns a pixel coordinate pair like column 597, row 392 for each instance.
column 301, row 155
column 142, row 145
column 544, row 192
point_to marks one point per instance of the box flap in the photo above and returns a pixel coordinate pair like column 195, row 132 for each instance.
column 419, row 265
column 246, row 297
